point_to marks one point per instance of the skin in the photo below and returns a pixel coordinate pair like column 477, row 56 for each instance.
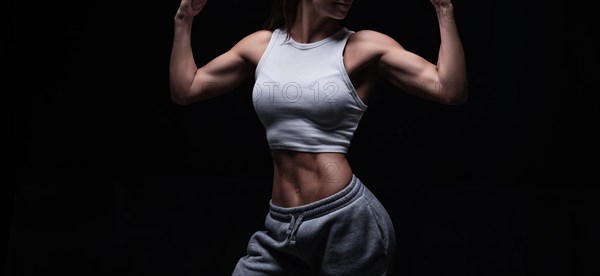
column 300, row 177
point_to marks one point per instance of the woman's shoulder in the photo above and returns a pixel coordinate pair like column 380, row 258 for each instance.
column 371, row 42
column 252, row 46
column 257, row 37
column 371, row 36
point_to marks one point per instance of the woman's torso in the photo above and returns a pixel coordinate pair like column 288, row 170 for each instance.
column 300, row 178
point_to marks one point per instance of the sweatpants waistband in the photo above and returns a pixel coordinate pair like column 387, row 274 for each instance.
column 321, row 207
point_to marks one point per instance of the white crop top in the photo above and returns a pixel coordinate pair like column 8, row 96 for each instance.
column 303, row 95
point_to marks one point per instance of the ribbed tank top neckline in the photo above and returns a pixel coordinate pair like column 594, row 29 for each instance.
column 315, row 44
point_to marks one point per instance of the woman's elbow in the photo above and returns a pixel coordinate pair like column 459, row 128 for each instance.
column 455, row 95
column 179, row 97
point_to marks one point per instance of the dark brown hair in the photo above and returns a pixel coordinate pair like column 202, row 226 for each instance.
column 283, row 14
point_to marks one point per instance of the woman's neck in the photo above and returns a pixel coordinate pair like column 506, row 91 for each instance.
column 311, row 26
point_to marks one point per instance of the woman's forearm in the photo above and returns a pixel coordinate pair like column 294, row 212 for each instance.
column 451, row 63
column 182, row 67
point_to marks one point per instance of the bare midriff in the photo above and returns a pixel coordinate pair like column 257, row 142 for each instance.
column 301, row 178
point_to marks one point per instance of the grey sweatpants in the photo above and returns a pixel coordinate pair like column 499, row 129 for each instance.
column 348, row 233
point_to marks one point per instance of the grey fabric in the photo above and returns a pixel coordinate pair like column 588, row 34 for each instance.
column 349, row 233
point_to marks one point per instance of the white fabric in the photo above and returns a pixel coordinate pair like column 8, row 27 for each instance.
column 303, row 95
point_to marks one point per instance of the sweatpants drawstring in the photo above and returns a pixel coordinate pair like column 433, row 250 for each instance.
column 294, row 224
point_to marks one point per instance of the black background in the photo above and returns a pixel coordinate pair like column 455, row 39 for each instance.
column 109, row 177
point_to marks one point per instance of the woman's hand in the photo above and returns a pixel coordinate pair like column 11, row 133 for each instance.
column 444, row 7
column 441, row 3
column 190, row 8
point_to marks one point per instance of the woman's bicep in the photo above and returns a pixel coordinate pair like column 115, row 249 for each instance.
column 410, row 72
column 220, row 75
